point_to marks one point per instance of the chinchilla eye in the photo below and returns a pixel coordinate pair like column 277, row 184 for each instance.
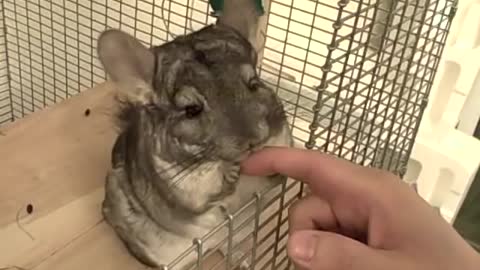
column 201, row 58
column 193, row 110
column 254, row 84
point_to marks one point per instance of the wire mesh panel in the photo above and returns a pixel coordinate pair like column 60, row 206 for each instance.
column 354, row 75
column 259, row 230
column 5, row 98
column 345, row 98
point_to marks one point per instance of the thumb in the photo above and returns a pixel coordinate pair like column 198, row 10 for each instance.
column 319, row 250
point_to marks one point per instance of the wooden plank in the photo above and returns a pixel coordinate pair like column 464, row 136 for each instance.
column 54, row 156
column 51, row 233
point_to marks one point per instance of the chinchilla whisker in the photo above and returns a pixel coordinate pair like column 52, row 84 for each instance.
column 192, row 167
column 178, row 178
column 189, row 164
column 196, row 158
column 186, row 176
column 182, row 162
column 186, row 160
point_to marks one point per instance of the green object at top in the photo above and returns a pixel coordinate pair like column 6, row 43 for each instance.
column 217, row 6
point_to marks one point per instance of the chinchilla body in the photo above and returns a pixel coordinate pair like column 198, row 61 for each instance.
column 190, row 111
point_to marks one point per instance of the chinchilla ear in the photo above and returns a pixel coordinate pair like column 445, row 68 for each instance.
column 129, row 64
column 243, row 16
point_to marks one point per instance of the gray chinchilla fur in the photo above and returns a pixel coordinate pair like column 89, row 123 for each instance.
column 191, row 110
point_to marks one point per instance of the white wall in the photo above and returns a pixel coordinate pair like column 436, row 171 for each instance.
column 448, row 156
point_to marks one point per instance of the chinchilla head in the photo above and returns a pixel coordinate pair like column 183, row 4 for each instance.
column 197, row 94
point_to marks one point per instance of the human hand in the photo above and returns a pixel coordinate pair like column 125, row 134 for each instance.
column 359, row 218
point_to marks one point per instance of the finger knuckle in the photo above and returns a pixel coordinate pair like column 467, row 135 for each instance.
column 299, row 206
column 294, row 208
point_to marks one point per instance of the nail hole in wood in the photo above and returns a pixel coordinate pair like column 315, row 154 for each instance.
column 87, row 112
column 29, row 208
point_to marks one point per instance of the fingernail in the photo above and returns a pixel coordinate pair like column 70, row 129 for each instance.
column 302, row 246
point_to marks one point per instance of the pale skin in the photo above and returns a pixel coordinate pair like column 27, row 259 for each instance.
column 359, row 218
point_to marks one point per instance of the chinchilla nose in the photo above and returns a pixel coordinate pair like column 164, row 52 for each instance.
column 255, row 144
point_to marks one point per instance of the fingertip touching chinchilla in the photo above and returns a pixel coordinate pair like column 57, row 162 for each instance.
column 190, row 111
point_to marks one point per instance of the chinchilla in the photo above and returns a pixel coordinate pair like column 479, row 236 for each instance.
column 190, row 111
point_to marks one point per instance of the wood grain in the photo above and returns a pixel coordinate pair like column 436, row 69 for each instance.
column 54, row 156
column 55, row 159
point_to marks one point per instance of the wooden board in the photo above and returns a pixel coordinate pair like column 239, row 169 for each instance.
column 56, row 160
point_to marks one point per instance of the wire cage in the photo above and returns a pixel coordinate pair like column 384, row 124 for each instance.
column 354, row 75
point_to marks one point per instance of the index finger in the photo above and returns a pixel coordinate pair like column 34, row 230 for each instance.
column 325, row 174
